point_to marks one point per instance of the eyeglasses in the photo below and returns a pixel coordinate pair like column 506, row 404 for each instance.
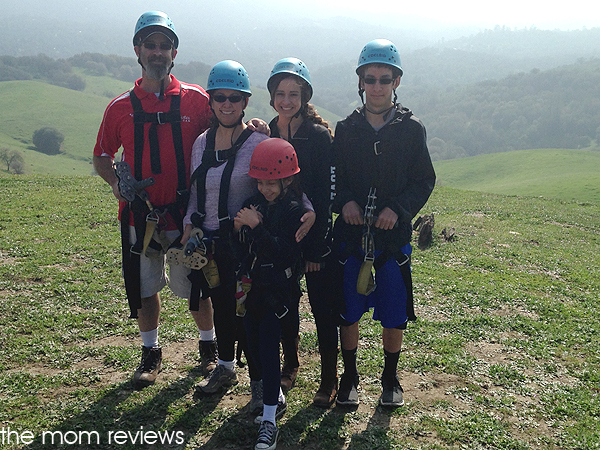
column 163, row 45
column 222, row 98
column 381, row 80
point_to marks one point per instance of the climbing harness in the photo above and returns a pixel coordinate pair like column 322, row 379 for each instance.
column 218, row 240
column 147, row 217
column 365, row 283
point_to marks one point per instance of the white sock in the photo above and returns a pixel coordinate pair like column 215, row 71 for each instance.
column 269, row 412
column 150, row 338
column 227, row 364
column 207, row 335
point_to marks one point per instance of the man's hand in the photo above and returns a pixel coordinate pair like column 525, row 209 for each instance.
column 312, row 266
column 387, row 219
column 352, row 213
column 104, row 168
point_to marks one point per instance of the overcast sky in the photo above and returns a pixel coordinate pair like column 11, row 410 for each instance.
column 548, row 14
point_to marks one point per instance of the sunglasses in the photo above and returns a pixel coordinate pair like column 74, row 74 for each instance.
column 222, row 98
column 381, row 80
column 163, row 45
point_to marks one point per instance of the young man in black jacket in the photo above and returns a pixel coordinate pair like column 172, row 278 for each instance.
column 384, row 176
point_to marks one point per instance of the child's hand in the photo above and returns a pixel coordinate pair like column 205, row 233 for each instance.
column 247, row 216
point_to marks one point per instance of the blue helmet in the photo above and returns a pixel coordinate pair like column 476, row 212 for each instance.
column 293, row 66
column 154, row 22
column 228, row 75
column 379, row 51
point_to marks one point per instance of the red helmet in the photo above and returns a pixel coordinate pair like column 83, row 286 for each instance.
column 273, row 159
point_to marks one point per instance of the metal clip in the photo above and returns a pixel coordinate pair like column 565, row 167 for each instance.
column 153, row 216
column 376, row 148
column 217, row 157
column 159, row 117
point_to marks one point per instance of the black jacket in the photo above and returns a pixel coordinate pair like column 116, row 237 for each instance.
column 395, row 160
column 271, row 250
column 312, row 143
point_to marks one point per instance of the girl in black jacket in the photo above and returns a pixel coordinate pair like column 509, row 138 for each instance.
column 269, row 274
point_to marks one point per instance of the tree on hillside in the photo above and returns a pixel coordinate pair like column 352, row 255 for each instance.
column 48, row 140
column 13, row 160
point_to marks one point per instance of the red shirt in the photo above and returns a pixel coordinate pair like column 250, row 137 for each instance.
column 117, row 130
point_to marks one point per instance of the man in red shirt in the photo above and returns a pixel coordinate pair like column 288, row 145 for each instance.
column 156, row 124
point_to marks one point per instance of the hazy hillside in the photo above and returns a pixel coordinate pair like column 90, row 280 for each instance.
column 33, row 104
column 562, row 174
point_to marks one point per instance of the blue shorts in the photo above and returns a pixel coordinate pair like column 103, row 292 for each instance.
column 388, row 300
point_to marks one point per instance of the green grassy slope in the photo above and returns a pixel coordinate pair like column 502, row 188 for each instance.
column 553, row 173
column 504, row 355
column 30, row 105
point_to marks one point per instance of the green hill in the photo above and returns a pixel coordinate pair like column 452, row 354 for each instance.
column 30, row 105
column 554, row 173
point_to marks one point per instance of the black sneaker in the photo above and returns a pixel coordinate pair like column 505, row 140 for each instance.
column 146, row 373
column 267, row 436
column 392, row 393
column 347, row 393
column 281, row 409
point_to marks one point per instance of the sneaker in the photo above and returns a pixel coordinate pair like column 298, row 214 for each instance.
column 256, row 403
column 267, row 436
column 281, row 409
column 347, row 393
column 288, row 377
column 392, row 393
column 146, row 373
column 208, row 356
column 221, row 376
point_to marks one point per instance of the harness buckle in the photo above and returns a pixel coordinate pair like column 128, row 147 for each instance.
column 376, row 148
column 159, row 119
column 218, row 158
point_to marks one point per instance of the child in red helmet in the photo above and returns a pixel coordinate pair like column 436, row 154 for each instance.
column 270, row 268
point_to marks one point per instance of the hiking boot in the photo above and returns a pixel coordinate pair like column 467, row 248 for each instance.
column 288, row 377
column 146, row 373
column 281, row 409
column 289, row 372
column 392, row 393
column 267, row 436
column 256, row 402
column 220, row 377
column 329, row 380
column 348, row 394
column 208, row 356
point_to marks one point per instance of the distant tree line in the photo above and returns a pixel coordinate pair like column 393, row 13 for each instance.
column 555, row 108
column 59, row 72
column 40, row 67
column 558, row 108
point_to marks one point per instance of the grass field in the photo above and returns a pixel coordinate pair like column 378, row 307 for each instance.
column 504, row 355
column 552, row 173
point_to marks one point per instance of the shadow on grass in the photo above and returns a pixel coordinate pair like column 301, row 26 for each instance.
column 376, row 435
column 314, row 427
column 109, row 415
